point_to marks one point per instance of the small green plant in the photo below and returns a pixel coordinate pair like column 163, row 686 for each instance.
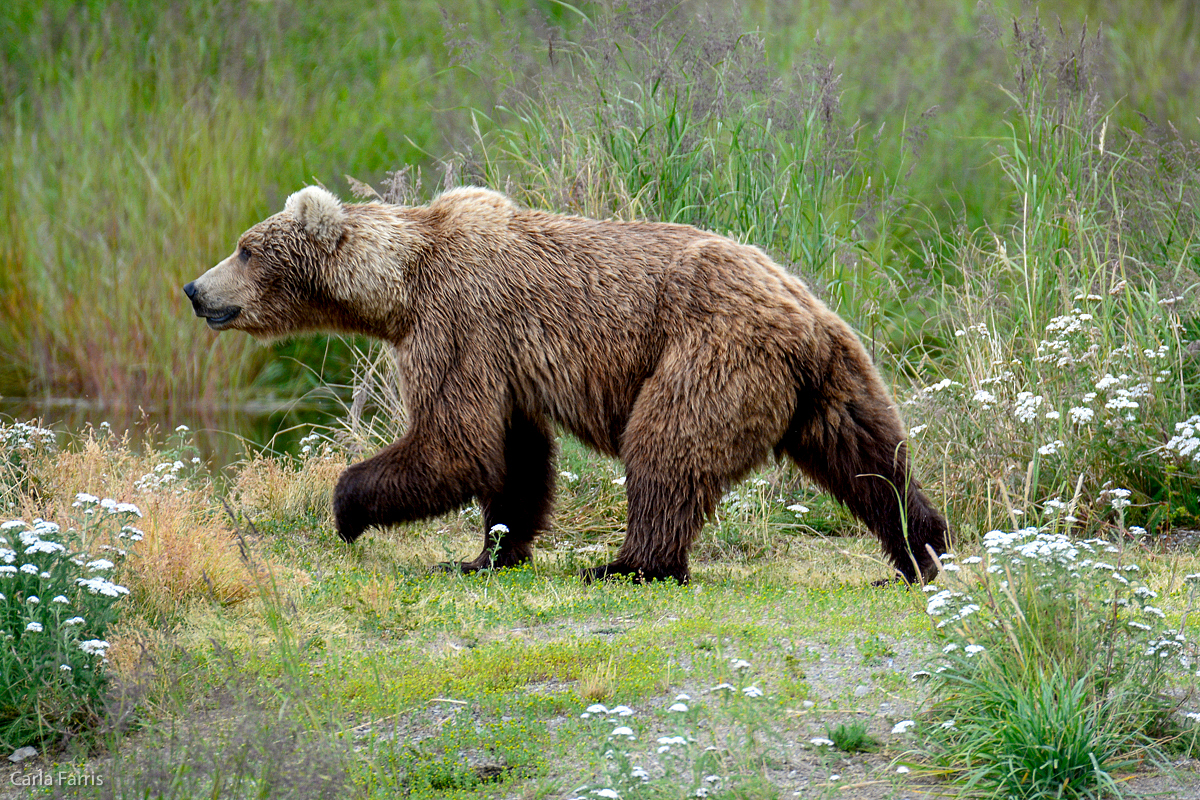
column 58, row 602
column 1054, row 669
column 851, row 737
column 875, row 649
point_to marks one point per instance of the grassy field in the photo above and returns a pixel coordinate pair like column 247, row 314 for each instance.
column 258, row 656
column 1002, row 200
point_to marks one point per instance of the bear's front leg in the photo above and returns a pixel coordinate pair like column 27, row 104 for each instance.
column 519, row 509
column 413, row 479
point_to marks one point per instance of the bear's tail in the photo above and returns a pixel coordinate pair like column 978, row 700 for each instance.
column 846, row 435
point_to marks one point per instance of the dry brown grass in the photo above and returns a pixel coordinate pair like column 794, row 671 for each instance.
column 286, row 489
column 188, row 552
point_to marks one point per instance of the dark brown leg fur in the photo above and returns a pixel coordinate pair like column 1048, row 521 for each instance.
column 412, row 479
column 665, row 516
column 856, row 451
column 523, row 502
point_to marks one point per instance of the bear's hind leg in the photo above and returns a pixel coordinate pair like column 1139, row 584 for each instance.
column 855, row 448
column 666, row 513
column 523, row 502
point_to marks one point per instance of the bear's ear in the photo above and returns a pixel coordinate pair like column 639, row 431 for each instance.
column 320, row 213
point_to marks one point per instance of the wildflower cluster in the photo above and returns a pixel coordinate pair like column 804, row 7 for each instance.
column 171, row 474
column 1042, row 628
column 687, row 759
column 19, row 443
column 1086, row 397
column 165, row 475
column 1033, row 577
column 58, row 595
column 1186, row 441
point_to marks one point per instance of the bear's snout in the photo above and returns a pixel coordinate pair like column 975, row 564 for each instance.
column 217, row 318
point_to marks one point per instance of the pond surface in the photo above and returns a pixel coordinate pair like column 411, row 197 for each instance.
column 223, row 434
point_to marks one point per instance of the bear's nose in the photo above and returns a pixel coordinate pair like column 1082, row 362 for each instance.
column 190, row 290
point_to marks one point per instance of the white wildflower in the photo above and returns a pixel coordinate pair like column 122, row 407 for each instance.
column 1119, row 498
column 1027, row 405
column 984, row 397
column 102, row 586
column 903, row 725
column 43, row 546
column 1081, row 414
column 94, row 647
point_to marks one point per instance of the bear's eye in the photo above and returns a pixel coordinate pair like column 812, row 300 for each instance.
column 244, row 254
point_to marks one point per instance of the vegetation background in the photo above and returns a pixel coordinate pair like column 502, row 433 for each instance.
column 1001, row 197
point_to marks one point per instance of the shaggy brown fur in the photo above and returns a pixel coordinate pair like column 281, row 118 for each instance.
column 690, row 357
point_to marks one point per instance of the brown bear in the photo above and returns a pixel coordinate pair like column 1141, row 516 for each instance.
column 688, row 356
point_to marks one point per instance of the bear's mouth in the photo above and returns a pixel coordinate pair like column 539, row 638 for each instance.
column 218, row 320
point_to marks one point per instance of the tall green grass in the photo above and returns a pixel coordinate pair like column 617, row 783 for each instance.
column 139, row 141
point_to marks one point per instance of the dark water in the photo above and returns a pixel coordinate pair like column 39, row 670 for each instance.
column 223, row 435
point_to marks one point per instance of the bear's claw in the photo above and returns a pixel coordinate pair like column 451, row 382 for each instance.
column 483, row 562
column 636, row 574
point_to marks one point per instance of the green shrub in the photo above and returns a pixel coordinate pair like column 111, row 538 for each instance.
column 58, row 603
column 1055, row 666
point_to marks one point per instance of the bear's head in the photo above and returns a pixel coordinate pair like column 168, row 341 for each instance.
column 316, row 265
